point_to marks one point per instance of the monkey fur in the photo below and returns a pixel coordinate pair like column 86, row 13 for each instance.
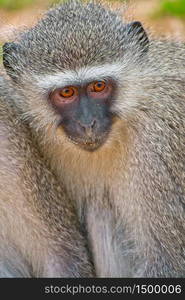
column 128, row 192
column 36, row 237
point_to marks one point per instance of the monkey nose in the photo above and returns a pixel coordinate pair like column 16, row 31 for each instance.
column 88, row 128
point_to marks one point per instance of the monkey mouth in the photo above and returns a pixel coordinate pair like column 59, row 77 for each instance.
column 89, row 144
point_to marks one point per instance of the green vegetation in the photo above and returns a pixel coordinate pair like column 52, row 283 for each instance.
column 18, row 4
column 15, row 4
column 167, row 7
column 1, row 54
column 173, row 8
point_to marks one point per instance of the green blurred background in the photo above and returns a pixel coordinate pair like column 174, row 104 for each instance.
column 165, row 17
column 173, row 8
column 166, row 7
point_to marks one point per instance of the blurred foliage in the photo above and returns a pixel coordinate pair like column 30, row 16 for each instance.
column 15, row 4
column 1, row 54
column 167, row 7
column 18, row 4
column 173, row 8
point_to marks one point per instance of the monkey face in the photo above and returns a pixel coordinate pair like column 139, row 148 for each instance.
column 85, row 112
column 77, row 62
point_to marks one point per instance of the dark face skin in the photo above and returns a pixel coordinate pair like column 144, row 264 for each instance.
column 85, row 112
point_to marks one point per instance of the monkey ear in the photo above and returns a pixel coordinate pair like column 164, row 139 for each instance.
column 138, row 35
column 10, row 58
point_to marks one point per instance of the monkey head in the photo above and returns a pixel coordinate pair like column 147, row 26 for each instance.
column 69, row 68
column 85, row 111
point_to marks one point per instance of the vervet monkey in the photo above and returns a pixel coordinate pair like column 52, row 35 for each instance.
column 101, row 108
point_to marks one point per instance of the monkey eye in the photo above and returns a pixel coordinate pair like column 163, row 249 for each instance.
column 99, row 89
column 98, row 86
column 68, row 91
column 63, row 96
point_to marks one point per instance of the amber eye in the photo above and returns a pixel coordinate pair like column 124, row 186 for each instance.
column 100, row 89
column 68, row 92
column 98, row 86
column 64, row 96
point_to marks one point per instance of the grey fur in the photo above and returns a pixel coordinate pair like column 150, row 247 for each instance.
column 132, row 195
column 72, row 36
column 40, row 235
